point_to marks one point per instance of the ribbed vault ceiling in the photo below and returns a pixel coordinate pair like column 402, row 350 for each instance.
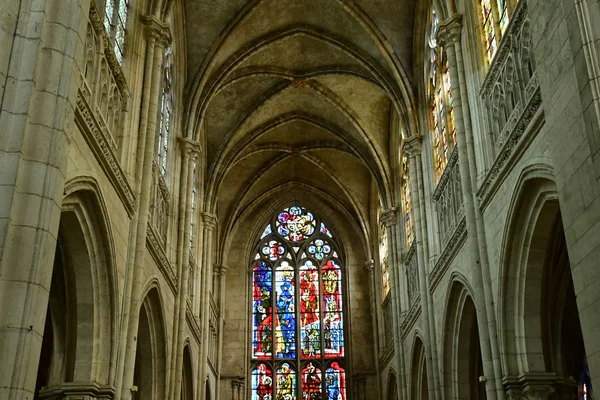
column 297, row 96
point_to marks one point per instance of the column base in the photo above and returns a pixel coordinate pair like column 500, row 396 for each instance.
column 78, row 391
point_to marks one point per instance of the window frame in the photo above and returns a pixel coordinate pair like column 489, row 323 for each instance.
column 297, row 261
column 115, row 24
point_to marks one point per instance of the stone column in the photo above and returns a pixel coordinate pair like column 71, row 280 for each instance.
column 220, row 272
column 413, row 150
column 190, row 151
column 209, row 222
column 160, row 34
column 449, row 34
column 37, row 105
column 370, row 268
column 390, row 221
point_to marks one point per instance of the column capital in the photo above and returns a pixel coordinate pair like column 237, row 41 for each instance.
column 189, row 147
column 370, row 266
column 389, row 217
column 449, row 32
column 412, row 145
column 157, row 30
column 209, row 220
column 220, row 270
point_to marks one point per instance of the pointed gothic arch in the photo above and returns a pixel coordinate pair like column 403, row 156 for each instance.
column 81, row 319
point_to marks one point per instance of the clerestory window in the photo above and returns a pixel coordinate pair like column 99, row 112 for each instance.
column 166, row 113
column 115, row 23
column 298, row 345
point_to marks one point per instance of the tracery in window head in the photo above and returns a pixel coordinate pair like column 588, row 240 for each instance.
column 115, row 23
column 442, row 103
column 166, row 112
column 298, row 334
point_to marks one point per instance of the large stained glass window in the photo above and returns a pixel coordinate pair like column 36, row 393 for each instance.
column 442, row 104
column 494, row 21
column 298, row 344
column 407, row 203
column 384, row 257
column 115, row 23
column 166, row 113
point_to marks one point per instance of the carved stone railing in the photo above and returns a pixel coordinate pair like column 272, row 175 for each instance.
column 410, row 318
column 213, row 325
column 159, row 210
column 511, row 94
column 103, row 86
column 193, row 323
column 159, row 255
column 412, row 274
column 388, row 322
column 191, row 275
column 448, row 199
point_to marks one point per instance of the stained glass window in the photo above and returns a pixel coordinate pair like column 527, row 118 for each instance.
column 407, row 202
column 384, row 260
column 194, row 199
column 115, row 23
column 298, row 344
column 488, row 28
column 442, row 105
column 166, row 113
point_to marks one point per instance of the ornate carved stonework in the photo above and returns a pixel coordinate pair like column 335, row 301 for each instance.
column 193, row 324
column 454, row 244
column 389, row 217
column 411, row 317
column 209, row 220
column 105, row 155
column 158, row 254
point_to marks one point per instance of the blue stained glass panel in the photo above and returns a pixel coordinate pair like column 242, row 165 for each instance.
column 262, row 311
column 335, row 382
column 285, row 335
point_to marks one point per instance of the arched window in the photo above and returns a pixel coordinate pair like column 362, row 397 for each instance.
column 407, row 203
column 384, row 258
column 115, row 23
column 442, row 106
column 298, row 332
column 194, row 199
column 494, row 20
column 166, row 113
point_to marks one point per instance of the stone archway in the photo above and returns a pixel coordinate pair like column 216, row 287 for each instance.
column 392, row 392
column 187, row 381
column 77, row 346
column 463, row 365
column 419, row 386
column 543, row 348
column 150, row 360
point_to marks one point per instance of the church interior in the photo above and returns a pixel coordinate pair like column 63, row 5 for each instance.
column 299, row 199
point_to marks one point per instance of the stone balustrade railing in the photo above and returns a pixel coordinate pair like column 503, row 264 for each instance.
column 160, row 204
column 511, row 81
column 448, row 199
column 103, row 85
column 412, row 275
column 512, row 98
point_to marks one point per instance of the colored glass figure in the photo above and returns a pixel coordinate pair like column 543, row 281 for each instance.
column 311, row 383
column 488, row 28
column 286, row 383
column 503, row 15
column 285, row 336
column 309, row 310
column 262, row 383
column 333, row 334
column 383, row 260
column 267, row 231
column 407, row 206
column 335, row 382
column 450, row 100
column 325, row 230
column 263, row 315
column 296, row 224
column 273, row 250
column 319, row 249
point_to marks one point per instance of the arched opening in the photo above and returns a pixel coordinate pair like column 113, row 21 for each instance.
column 187, row 381
column 150, row 360
column 543, row 338
column 463, row 364
column 392, row 393
column 420, row 387
column 75, row 342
